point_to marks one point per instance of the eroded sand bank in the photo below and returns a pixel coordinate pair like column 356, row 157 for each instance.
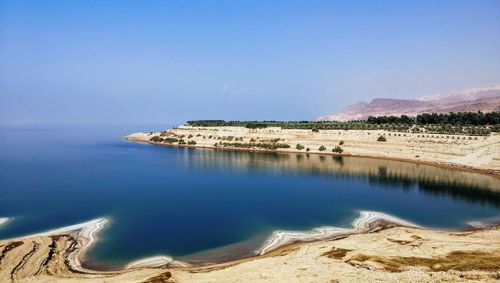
column 377, row 247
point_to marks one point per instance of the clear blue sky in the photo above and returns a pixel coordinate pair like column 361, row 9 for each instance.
column 133, row 62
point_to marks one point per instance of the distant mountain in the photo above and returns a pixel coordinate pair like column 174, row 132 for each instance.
column 476, row 99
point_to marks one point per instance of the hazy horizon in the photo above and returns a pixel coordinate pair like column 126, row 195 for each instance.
column 131, row 62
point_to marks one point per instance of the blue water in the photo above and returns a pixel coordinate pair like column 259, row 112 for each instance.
column 182, row 202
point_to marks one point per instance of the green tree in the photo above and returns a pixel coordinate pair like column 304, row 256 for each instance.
column 337, row 149
column 156, row 139
column 171, row 140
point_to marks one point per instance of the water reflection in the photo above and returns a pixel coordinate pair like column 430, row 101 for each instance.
column 428, row 179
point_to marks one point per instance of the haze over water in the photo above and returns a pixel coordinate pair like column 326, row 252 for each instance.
column 184, row 202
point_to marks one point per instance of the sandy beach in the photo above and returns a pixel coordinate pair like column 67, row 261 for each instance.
column 477, row 153
column 377, row 247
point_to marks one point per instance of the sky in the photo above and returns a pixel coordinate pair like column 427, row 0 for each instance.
column 139, row 62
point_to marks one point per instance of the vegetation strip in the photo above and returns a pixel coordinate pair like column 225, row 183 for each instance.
column 469, row 123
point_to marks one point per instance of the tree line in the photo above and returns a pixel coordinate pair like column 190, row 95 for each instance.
column 467, row 123
column 459, row 118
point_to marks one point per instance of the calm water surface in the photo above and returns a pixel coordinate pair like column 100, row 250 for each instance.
column 195, row 204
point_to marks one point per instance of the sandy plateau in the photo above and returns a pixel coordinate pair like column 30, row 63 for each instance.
column 479, row 153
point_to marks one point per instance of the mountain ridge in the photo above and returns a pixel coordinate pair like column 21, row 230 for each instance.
column 486, row 99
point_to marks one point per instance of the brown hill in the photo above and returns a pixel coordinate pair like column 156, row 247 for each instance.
column 478, row 99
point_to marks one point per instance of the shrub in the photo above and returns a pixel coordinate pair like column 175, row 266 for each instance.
column 171, row 140
column 341, row 142
column 156, row 139
column 337, row 149
column 299, row 146
column 191, row 142
column 381, row 139
column 190, row 136
column 308, row 149
column 268, row 146
column 315, row 130
column 322, row 148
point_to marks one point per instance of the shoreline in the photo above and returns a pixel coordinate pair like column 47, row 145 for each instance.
column 367, row 222
column 441, row 164
column 75, row 241
column 86, row 234
column 364, row 223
